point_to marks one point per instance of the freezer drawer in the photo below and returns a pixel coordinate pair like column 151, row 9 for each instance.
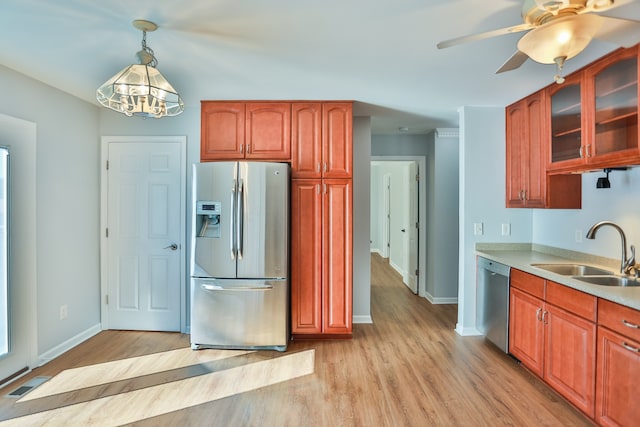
column 239, row 314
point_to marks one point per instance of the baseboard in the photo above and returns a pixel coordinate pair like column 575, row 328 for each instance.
column 376, row 251
column 466, row 332
column 397, row 268
column 362, row 319
column 68, row 344
column 435, row 300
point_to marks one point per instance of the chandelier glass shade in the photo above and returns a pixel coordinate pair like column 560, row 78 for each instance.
column 140, row 89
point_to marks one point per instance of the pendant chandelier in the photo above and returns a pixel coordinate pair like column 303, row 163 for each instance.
column 140, row 89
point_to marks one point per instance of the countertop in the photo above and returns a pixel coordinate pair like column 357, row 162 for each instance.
column 521, row 256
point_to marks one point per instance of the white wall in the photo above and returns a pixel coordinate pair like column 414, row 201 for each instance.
column 442, row 239
column 361, row 220
column 67, row 206
column 482, row 200
column 620, row 204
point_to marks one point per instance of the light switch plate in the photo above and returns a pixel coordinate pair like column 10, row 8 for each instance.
column 506, row 229
column 478, row 229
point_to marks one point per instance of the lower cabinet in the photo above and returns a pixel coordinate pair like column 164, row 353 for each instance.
column 321, row 258
column 552, row 332
column 618, row 365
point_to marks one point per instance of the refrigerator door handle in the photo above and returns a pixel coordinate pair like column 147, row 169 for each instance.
column 236, row 288
column 240, row 219
column 232, row 232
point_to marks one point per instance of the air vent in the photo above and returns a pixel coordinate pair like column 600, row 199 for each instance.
column 27, row 387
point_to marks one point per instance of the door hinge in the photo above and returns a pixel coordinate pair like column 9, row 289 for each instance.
column 417, row 225
column 417, row 272
column 106, row 299
column 106, row 232
column 417, row 177
column 107, row 164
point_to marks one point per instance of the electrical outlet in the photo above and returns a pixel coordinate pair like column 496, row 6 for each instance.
column 578, row 236
column 478, row 229
column 63, row 312
column 506, row 229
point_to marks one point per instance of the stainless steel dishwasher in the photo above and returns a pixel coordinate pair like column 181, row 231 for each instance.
column 492, row 309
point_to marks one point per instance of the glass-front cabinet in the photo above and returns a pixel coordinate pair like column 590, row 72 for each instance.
column 615, row 108
column 594, row 116
column 566, row 121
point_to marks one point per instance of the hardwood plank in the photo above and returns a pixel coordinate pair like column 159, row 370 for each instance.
column 408, row 368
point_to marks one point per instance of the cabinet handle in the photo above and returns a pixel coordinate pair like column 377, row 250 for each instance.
column 581, row 155
column 630, row 325
column 588, row 150
column 524, row 195
column 248, row 148
column 318, row 188
column 538, row 311
column 544, row 317
column 241, row 148
column 325, row 166
column 318, row 167
column 630, row 348
column 324, row 188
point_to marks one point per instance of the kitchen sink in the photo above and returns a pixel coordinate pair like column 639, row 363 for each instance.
column 573, row 269
column 609, row 280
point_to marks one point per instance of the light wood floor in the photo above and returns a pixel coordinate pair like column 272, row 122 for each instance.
column 409, row 368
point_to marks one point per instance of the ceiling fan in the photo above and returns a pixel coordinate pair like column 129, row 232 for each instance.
column 558, row 30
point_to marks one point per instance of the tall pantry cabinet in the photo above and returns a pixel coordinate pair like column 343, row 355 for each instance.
column 321, row 215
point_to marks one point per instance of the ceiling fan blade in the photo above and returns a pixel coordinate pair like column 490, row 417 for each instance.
column 516, row 60
column 486, row 35
column 619, row 31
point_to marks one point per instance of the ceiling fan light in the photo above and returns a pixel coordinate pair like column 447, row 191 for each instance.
column 562, row 37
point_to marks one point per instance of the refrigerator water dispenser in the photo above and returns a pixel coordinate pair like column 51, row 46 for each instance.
column 208, row 218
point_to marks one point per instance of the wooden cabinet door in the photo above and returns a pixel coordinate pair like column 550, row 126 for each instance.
column 566, row 124
column 222, row 130
column 617, row 380
column 306, row 256
column 612, row 109
column 268, row 130
column 526, row 330
column 306, row 143
column 337, row 256
column 337, row 139
column 569, row 366
column 535, row 144
column 516, row 154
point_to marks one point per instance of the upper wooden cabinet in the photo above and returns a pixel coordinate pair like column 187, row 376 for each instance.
column 245, row 130
column 322, row 140
column 594, row 115
column 528, row 185
column 525, row 153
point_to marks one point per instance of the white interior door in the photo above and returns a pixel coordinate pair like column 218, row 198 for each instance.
column 412, row 229
column 144, row 240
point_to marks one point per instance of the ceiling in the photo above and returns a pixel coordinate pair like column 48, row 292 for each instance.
column 380, row 53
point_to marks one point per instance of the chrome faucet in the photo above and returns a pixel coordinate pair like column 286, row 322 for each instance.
column 626, row 264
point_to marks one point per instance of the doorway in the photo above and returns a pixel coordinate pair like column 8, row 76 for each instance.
column 19, row 137
column 398, row 210
column 143, row 246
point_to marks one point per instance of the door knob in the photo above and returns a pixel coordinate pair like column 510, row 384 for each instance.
column 173, row 246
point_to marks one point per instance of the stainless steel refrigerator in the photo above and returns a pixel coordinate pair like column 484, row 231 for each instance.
column 239, row 256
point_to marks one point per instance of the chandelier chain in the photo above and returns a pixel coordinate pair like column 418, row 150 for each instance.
column 154, row 61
